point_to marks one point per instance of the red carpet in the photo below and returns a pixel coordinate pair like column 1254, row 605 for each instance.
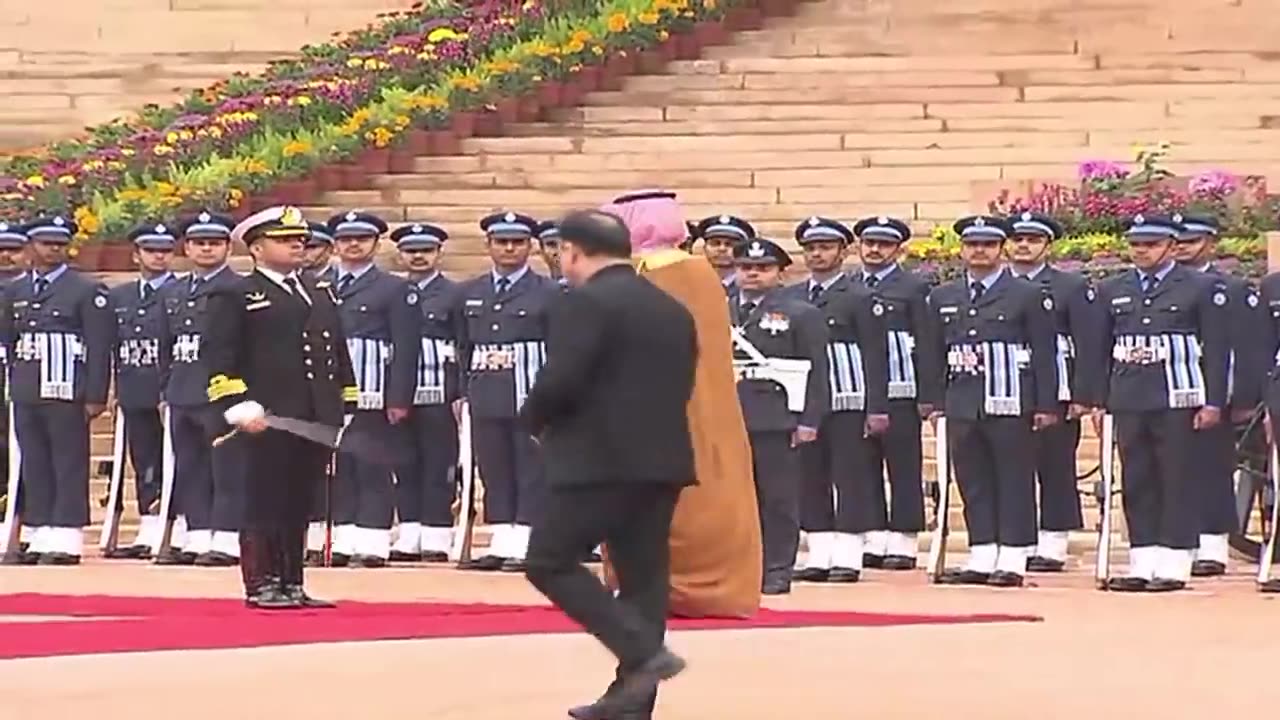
column 131, row 624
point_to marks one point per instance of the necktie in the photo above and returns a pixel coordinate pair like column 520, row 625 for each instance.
column 343, row 284
column 502, row 285
column 41, row 284
column 295, row 288
column 147, row 291
column 1148, row 283
column 871, row 281
column 815, row 293
column 196, row 282
column 749, row 307
column 978, row 289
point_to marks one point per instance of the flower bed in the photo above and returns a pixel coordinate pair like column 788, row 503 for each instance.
column 413, row 83
column 1093, row 214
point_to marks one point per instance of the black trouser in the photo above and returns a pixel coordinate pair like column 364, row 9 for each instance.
column 424, row 489
column 1158, row 452
column 363, row 494
column 54, row 438
column 994, row 461
column 283, row 473
column 209, row 482
column 899, row 449
column 1215, row 478
column 634, row 522
column 844, row 460
column 1056, row 472
column 776, row 466
column 144, row 436
column 511, row 468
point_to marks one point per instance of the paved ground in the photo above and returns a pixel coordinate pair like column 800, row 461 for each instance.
column 1192, row 656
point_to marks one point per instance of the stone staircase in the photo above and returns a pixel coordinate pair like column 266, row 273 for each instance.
column 903, row 107
column 65, row 65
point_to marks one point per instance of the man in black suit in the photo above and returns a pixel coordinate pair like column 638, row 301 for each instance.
column 621, row 357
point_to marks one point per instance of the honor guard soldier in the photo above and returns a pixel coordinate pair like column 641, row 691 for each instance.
column 1195, row 250
column 320, row 253
column 502, row 345
column 548, row 232
column 1078, row 320
column 140, row 324
column 380, row 321
column 843, row 457
column 275, row 344
column 57, row 336
column 13, row 246
column 769, row 325
column 1001, row 386
column 720, row 235
column 425, row 488
column 208, row 486
column 1170, row 342
column 1268, row 348
column 914, row 386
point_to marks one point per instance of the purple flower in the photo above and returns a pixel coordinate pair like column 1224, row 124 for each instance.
column 1213, row 182
column 1101, row 169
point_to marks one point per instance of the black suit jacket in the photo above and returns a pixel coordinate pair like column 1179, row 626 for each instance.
column 610, row 405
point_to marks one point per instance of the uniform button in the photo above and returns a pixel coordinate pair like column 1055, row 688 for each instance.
column 304, row 333
column 306, row 348
column 137, row 329
column 330, row 376
column 1147, row 302
column 307, row 361
column 311, row 376
column 1146, row 321
column 497, row 307
column 141, row 311
column 973, row 332
column 188, row 321
column 324, row 334
column 494, row 327
column 973, row 312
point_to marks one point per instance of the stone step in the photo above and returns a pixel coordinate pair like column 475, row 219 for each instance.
column 824, row 95
column 873, row 127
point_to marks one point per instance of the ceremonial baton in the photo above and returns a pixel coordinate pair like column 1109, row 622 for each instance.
column 11, row 530
column 938, row 547
column 109, row 537
column 1268, row 552
column 1102, row 574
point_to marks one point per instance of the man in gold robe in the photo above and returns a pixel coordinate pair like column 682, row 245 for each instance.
column 715, row 535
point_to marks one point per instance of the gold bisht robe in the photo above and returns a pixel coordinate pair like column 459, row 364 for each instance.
column 715, row 535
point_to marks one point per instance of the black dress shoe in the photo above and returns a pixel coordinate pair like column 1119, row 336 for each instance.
column 1128, row 584
column 811, row 575
column 367, row 561
column 844, row 575
column 314, row 558
column 1036, row 563
column 899, row 562
column 513, row 565
column 174, row 556
column 485, row 563
column 302, row 599
column 20, row 556
column 1270, row 586
column 435, row 556
column 776, row 587
column 133, row 552
column 271, row 597
column 963, row 577
column 1165, row 585
column 401, row 556
column 630, row 697
column 59, row 558
column 874, row 562
column 339, row 559
column 214, row 558
column 1208, row 568
column 1004, row 578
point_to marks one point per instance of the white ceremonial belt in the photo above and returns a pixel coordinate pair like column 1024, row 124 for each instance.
column 428, row 396
column 792, row 374
column 1139, row 355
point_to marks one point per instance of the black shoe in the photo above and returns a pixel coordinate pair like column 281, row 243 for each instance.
column 485, row 563
column 435, row 556
column 1004, row 578
column 1165, row 585
column 314, row 558
column 214, row 558
column 174, row 556
column 776, row 587
column 401, row 556
column 59, row 558
column 1270, row 586
column 339, row 559
column 133, row 552
column 270, row 597
column 843, row 575
column 963, row 577
column 1208, row 568
column 898, row 562
column 302, row 599
column 1036, row 563
column 811, row 575
column 513, row 565
column 1128, row 584
column 20, row 557
column 874, row 562
column 634, row 691
column 367, row 561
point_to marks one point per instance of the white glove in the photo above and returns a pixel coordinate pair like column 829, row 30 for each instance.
column 244, row 412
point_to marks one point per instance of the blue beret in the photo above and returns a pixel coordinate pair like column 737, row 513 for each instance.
column 319, row 234
column 54, row 228
column 883, row 228
column 356, row 223
column 208, row 225
column 982, row 228
column 1196, row 225
column 509, row 224
column 1153, row 227
column 760, row 251
column 1033, row 223
column 820, row 229
column 12, row 236
column 419, row 235
column 154, row 236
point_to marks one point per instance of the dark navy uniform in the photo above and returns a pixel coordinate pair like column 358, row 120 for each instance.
column 321, row 235
column 425, row 488
column 778, row 327
column 914, row 380
column 548, row 233
column 843, row 493
column 326, row 276
column 11, row 238
column 275, row 344
column 380, row 321
column 208, row 482
column 57, row 333
column 726, row 227
column 1169, row 346
column 501, row 346
column 999, row 350
column 140, row 325
column 1078, row 322
column 1244, row 389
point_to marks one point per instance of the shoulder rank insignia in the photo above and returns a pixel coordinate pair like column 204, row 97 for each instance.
column 256, row 301
column 775, row 323
column 322, row 284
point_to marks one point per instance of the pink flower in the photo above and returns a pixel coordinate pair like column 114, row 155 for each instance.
column 1213, row 182
column 1100, row 169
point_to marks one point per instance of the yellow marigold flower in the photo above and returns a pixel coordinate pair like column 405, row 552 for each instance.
column 184, row 135
column 402, row 121
column 272, row 100
column 302, row 100
column 164, row 188
column 597, row 50
column 215, row 132
column 663, row 35
column 67, row 180
column 115, row 165
column 426, row 55
column 441, row 34
column 297, row 147
column 235, row 193
column 171, row 138
column 580, row 36
column 127, row 152
column 618, row 22
column 647, row 18
column 162, row 150
column 355, row 62
column 397, row 50
column 87, row 221
column 93, row 165
column 574, row 46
